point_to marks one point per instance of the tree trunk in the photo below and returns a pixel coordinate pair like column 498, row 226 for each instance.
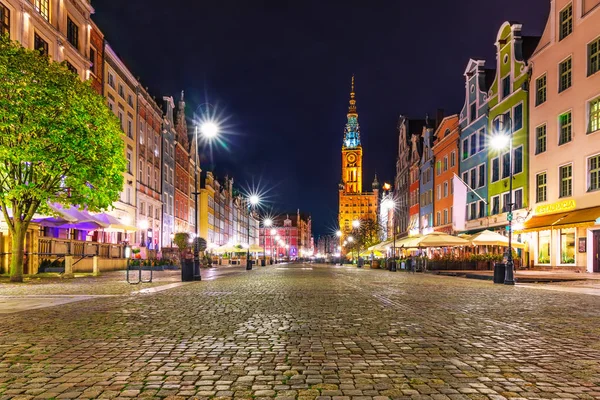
column 18, row 251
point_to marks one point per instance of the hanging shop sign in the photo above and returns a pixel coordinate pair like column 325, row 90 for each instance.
column 559, row 206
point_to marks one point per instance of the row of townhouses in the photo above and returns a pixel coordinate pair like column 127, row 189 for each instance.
column 544, row 93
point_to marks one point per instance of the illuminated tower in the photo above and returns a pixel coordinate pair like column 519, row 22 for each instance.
column 352, row 150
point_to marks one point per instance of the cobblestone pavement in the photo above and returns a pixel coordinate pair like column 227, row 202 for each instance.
column 311, row 333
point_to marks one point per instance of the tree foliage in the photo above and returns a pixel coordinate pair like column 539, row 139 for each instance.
column 366, row 235
column 59, row 142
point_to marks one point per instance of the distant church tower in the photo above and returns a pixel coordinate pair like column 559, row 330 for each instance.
column 354, row 203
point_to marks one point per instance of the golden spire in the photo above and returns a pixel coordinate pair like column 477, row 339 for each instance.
column 352, row 107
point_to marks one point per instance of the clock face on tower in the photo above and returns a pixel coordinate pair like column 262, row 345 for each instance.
column 351, row 158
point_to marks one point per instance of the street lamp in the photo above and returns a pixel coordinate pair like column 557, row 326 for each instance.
column 339, row 235
column 266, row 223
column 355, row 226
column 253, row 201
column 500, row 140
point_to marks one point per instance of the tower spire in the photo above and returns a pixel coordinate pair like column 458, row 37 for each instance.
column 352, row 107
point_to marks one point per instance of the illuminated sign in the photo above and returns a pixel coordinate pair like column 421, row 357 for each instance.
column 565, row 205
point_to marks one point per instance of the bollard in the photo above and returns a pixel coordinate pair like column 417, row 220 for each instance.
column 68, row 267
column 95, row 268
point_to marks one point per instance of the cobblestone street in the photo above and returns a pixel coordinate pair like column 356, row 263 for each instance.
column 309, row 332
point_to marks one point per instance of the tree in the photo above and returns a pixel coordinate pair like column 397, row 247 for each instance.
column 366, row 235
column 58, row 143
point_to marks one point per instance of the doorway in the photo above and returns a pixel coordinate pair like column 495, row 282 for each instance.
column 596, row 249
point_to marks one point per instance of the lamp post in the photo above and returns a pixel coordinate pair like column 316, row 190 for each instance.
column 266, row 224
column 253, row 201
column 499, row 141
column 209, row 130
column 339, row 235
column 355, row 226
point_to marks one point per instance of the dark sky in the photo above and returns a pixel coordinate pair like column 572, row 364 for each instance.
column 280, row 70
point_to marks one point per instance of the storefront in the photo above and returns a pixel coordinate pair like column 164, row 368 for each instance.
column 561, row 236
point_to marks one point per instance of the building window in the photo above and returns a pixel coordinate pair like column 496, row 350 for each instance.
column 518, row 199
column 130, row 128
column 445, row 164
column 564, row 73
column 121, row 91
column 129, row 161
column 40, row 44
column 452, row 159
column 465, row 149
column 43, row 7
column 540, row 139
column 566, row 133
column 518, row 160
column 130, row 100
column 445, row 216
column 473, row 146
column 541, row 187
column 446, row 189
column 4, row 20
column 505, row 201
column 73, row 33
column 111, row 80
column 567, row 246
column 566, row 21
column 505, row 165
column 481, row 209
column 473, row 211
column 594, row 57
column 141, row 172
column 473, row 181
column 540, row 90
column 566, row 180
column 506, row 86
column 544, row 247
column 438, row 169
column 594, row 115
column 142, row 208
column 481, row 182
column 438, row 218
column 71, row 67
column 481, row 140
column 518, row 118
column 594, row 173
column 93, row 61
column 473, row 112
column 495, row 169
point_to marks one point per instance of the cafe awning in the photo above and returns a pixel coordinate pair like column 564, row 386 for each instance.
column 575, row 218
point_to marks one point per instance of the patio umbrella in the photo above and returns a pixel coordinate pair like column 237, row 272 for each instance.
column 227, row 248
column 489, row 238
column 439, row 239
column 367, row 253
column 113, row 224
column 254, row 248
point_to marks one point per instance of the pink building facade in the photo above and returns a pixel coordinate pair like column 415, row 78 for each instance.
column 564, row 183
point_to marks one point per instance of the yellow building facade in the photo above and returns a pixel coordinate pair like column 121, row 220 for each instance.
column 354, row 204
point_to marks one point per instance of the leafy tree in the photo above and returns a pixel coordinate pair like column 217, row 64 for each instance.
column 182, row 241
column 58, row 143
column 366, row 235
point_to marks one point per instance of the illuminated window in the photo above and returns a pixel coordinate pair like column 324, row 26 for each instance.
column 594, row 57
column 594, row 173
column 594, row 115
column 566, row 180
column 43, row 7
column 544, row 247
column 540, row 90
column 4, row 20
column 564, row 73
column 566, row 21
column 566, row 132
column 40, row 44
column 567, row 246
column 541, row 187
column 540, row 139
column 93, row 61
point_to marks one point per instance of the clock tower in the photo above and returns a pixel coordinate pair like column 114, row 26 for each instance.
column 352, row 150
column 354, row 203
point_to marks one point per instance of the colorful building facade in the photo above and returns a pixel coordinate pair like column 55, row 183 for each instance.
column 508, row 102
column 474, row 143
column 414, row 192
column 564, row 141
column 168, row 172
column 445, row 153
column 426, row 171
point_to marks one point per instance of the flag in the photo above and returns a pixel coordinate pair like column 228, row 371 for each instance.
column 459, row 204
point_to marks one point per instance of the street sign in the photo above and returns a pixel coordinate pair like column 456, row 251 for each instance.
column 507, row 228
column 509, row 217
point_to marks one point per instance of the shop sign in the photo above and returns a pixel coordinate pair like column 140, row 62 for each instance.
column 559, row 206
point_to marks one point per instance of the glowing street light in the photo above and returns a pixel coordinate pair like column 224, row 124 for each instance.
column 268, row 222
column 209, row 129
column 254, row 200
column 500, row 141
column 355, row 223
column 273, row 232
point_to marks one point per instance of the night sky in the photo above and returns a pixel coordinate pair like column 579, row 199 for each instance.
column 280, row 71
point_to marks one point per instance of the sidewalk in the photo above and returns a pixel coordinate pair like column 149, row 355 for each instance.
column 49, row 290
column 526, row 276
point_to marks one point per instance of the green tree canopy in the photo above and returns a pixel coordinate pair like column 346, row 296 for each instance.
column 59, row 142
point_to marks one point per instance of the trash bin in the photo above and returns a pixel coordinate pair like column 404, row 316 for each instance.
column 187, row 270
column 499, row 272
column 360, row 262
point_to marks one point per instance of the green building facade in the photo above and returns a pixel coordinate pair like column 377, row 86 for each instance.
column 508, row 114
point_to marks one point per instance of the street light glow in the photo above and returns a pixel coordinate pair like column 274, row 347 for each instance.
column 268, row 222
column 254, row 199
column 209, row 129
column 500, row 141
column 350, row 239
column 355, row 223
column 273, row 232
column 338, row 233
